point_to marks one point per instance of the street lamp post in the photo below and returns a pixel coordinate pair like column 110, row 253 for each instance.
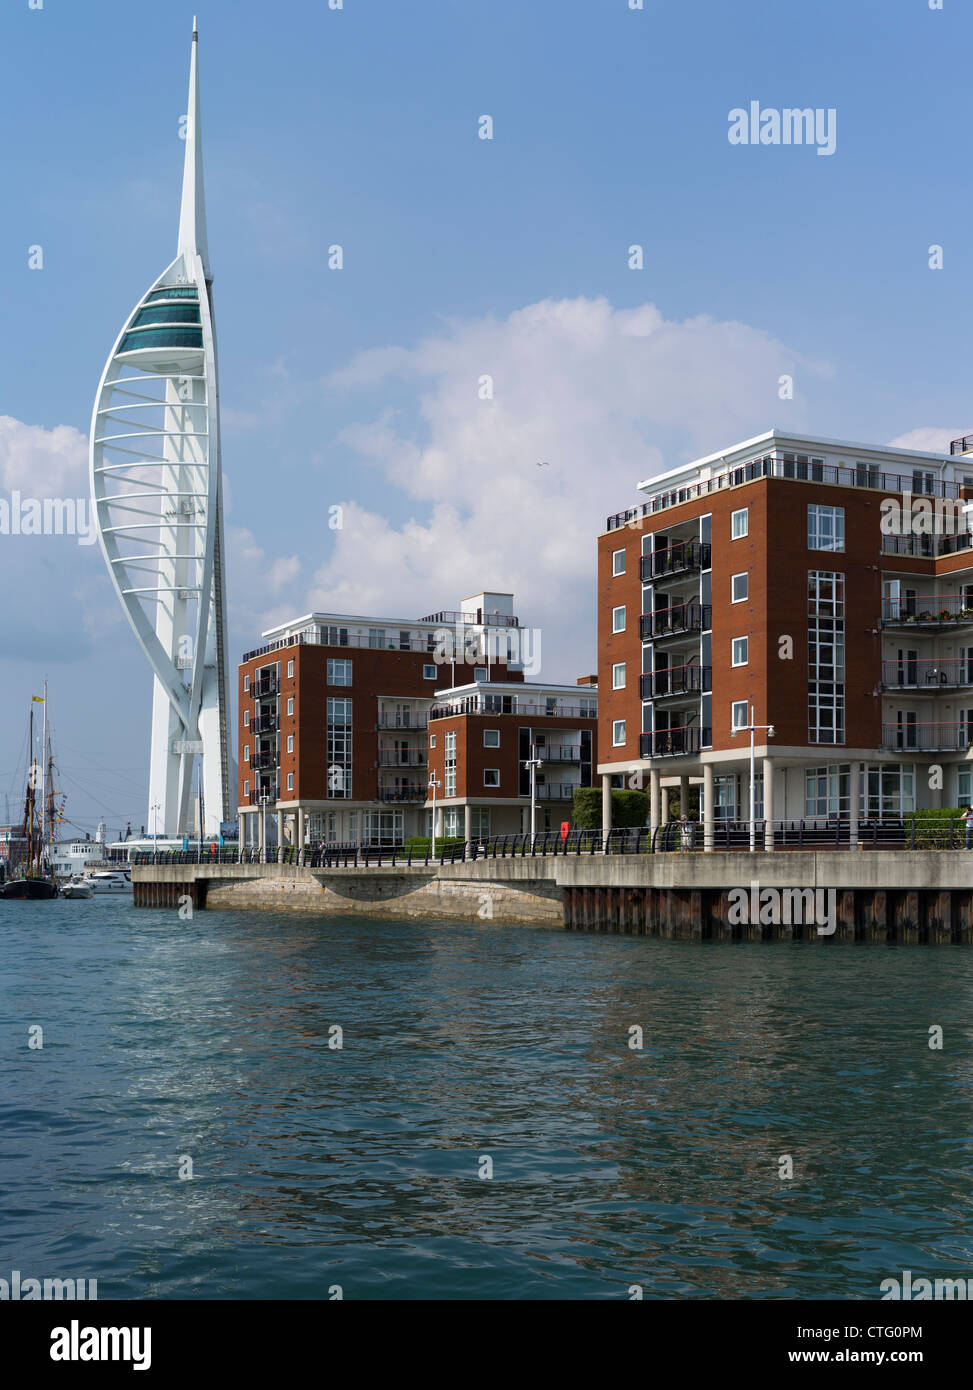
column 434, row 783
column 533, row 763
column 264, row 798
column 752, row 727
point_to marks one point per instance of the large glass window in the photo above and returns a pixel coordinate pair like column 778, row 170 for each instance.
column 339, row 747
column 339, row 672
column 449, row 764
column 827, row 790
column 887, row 790
column 826, row 657
column 825, row 527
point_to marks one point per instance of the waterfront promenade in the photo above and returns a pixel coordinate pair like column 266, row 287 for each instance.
column 909, row 896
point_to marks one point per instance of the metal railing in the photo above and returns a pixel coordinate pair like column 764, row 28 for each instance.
column 409, row 757
column 927, row 609
column 774, row 466
column 397, row 721
column 262, row 690
column 523, row 707
column 927, row 547
column 670, row 743
column 673, row 622
column 676, row 680
column 683, row 557
column 962, row 445
column 927, row 674
column 929, row 737
column 264, row 724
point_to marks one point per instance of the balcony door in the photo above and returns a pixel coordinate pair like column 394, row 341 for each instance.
column 906, row 729
column 908, row 667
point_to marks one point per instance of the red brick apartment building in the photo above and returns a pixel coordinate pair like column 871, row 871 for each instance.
column 481, row 740
column 792, row 577
column 334, row 712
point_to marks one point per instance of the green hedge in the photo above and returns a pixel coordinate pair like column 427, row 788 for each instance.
column 628, row 808
column 424, row 842
column 933, row 827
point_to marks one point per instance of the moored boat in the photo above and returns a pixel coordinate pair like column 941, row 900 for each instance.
column 76, row 888
column 32, row 877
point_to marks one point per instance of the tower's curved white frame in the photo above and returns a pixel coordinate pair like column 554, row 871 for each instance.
column 157, row 500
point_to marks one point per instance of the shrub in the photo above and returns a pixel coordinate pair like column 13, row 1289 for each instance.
column 628, row 808
column 932, row 827
column 424, row 842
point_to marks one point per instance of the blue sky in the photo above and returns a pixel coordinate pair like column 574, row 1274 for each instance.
column 463, row 257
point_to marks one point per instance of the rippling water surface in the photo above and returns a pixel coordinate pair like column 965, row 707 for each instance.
column 360, row 1167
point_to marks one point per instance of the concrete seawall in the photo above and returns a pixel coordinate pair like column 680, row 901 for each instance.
column 910, row 896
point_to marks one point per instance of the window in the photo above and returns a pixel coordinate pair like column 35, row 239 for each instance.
column 338, row 747
column 618, row 676
column 491, row 738
column 618, row 562
column 246, row 719
column 740, row 717
column 290, row 781
column 432, row 740
column 376, row 637
column 618, row 619
column 290, row 669
column 739, row 524
column 449, row 765
column 963, row 787
column 290, row 704
column 740, row 652
column 826, row 657
column 480, row 823
column 491, row 777
column 825, row 528
column 429, row 673
column 290, row 743
column 618, row 732
column 725, row 797
column 451, row 825
column 588, row 709
column 827, row 790
column 739, row 587
column 480, row 673
column 334, row 637
column 339, row 672
column 246, row 752
column 246, row 789
column 246, row 682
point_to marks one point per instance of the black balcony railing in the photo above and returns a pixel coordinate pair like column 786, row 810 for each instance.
column 928, row 738
column 413, row 791
column 264, row 724
column 670, row 743
column 401, row 721
column 803, row 470
column 261, row 690
column 963, row 445
column 682, row 558
column 261, row 761
column 930, row 675
column 405, row 757
column 676, row 680
column 928, row 610
column 677, row 620
column 559, row 752
column 257, row 795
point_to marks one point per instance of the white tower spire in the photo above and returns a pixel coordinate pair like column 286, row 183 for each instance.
column 192, row 214
column 159, row 511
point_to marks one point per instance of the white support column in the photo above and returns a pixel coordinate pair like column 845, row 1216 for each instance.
column 854, row 791
column 654, row 790
column 663, row 804
column 768, row 803
column 280, row 837
column 300, row 829
column 467, row 826
column 261, row 833
column 440, row 818
column 606, row 806
column 684, row 796
column 707, row 807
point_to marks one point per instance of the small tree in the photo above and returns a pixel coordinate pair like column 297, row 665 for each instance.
column 628, row 808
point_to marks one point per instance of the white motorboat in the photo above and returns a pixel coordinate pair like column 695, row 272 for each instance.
column 76, row 888
column 109, row 881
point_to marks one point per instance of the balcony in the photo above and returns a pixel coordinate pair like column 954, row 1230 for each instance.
column 257, row 795
column 263, row 761
column 401, row 721
column 685, row 557
column 475, row 618
column 558, row 752
column 677, row 621
column 262, row 690
column 408, row 757
column 962, row 445
column 670, row 743
column 928, row 738
column 928, row 611
column 412, row 792
column 265, row 724
column 927, row 675
column 676, row 680
column 556, row 791
column 927, row 547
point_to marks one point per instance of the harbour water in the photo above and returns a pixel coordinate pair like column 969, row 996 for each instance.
column 314, row 1167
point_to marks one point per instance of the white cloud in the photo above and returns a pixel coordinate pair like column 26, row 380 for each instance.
column 43, row 463
column 601, row 397
column 927, row 439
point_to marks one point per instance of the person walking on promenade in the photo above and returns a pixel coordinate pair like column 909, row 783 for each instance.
column 967, row 819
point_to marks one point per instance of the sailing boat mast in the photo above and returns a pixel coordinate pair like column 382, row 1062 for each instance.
column 44, row 773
